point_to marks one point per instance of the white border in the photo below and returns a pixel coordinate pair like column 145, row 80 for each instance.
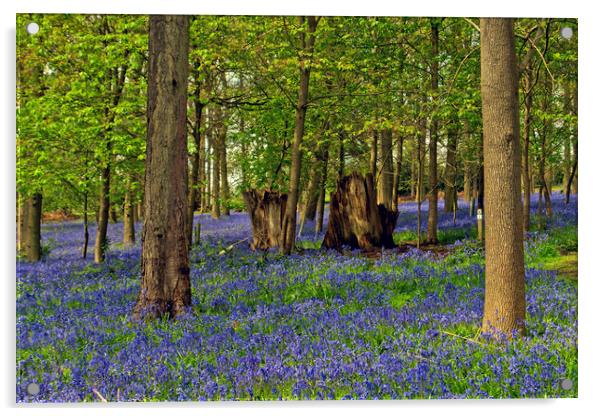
column 589, row 218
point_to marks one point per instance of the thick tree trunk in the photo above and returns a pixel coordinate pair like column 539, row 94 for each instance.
column 33, row 245
column 100, row 246
column 431, row 232
column 451, row 195
column 165, row 287
column 504, row 310
column 290, row 218
column 129, row 236
column 385, row 179
column 397, row 172
column 355, row 219
column 266, row 209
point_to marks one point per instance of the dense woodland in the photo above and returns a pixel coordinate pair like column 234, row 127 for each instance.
column 331, row 123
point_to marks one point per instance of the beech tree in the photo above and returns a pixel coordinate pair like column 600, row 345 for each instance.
column 504, row 310
column 165, row 286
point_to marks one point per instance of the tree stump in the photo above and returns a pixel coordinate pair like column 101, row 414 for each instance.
column 266, row 209
column 355, row 218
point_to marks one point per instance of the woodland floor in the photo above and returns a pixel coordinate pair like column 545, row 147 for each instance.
column 403, row 323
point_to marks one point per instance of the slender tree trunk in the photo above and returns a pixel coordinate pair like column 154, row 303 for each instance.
column 504, row 309
column 397, row 173
column 467, row 181
column 420, row 186
column 322, row 194
column 385, row 180
column 165, row 287
column 341, row 154
column 215, row 189
column 290, row 218
column 451, row 195
column 528, row 76
column 196, row 156
column 100, row 245
column 23, row 224
column 223, row 163
column 86, row 231
column 374, row 153
column 129, row 235
column 202, row 179
column 33, row 246
column 431, row 232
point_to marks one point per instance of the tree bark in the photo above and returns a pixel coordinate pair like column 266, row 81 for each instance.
column 504, row 310
column 397, row 172
column 165, row 287
column 86, row 231
column 216, row 211
column 385, row 179
column 33, row 245
column 355, row 219
column 528, row 88
column 223, row 163
column 373, row 153
column 266, row 209
column 322, row 194
column 451, row 194
column 23, row 227
column 194, row 177
column 101, row 242
column 129, row 236
column 307, row 40
column 431, row 232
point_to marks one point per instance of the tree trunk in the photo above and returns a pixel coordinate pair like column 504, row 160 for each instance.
column 223, row 163
column 215, row 189
column 385, row 179
column 193, row 189
column 86, row 231
column 23, row 227
column 373, row 153
column 355, row 218
column 451, row 195
column 526, row 144
column 290, row 218
column 467, row 181
column 397, row 173
column 341, row 154
column 140, row 209
column 322, row 194
column 165, row 287
column 266, row 209
column 101, row 243
column 504, row 310
column 33, row 246
column 129, row 236
column 431, row 232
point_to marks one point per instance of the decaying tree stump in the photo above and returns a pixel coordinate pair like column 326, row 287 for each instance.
column 355, row 218
column 266, row 209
